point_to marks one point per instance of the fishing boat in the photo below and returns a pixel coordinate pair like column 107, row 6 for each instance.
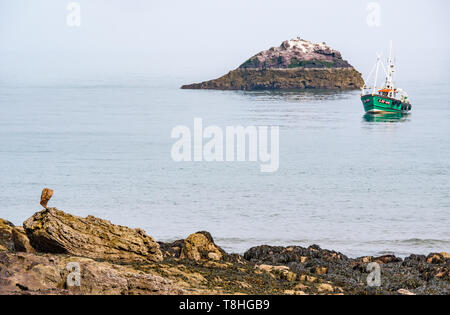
column 386, row 98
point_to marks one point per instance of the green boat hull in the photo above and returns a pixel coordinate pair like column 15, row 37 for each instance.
column 382, row 104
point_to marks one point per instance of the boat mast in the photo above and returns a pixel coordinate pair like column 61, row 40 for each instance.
column 390, row 73
column 376, row 74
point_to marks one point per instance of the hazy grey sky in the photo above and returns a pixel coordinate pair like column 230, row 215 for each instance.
column 206, row 38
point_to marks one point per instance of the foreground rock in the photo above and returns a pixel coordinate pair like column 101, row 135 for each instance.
column 46, row 195
column 53, row 231
column 26, row 273
column 296, row 64
column 416, row 274
column 196, row 246
column 21, row 241
column 6, row 242
column 117, row 260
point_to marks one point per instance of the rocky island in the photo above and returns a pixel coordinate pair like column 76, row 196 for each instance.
column 296, row 64
column 45, row 255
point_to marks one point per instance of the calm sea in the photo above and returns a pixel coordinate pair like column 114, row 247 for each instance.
column 346, row 182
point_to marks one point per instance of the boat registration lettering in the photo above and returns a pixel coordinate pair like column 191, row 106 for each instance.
column 384, row 102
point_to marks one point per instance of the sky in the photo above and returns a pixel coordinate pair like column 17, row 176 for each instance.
column 203, row 39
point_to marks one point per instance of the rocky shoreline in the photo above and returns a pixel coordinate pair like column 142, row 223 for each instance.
column 38, row 258
column 295, row 64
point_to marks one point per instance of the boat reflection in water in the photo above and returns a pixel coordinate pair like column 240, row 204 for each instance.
column 386, row 117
